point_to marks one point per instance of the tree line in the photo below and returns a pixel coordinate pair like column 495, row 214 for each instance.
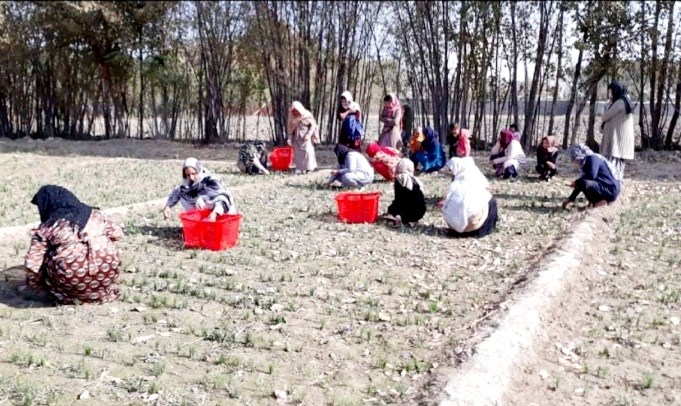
column 196, row 70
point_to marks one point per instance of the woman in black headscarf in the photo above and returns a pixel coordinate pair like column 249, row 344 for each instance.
column 618, row 127
column 72, row 253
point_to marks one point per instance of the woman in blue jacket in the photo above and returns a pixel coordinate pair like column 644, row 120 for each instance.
column 600, row 181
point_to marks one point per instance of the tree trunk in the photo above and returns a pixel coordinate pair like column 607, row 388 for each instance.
column 677, row 109
column 514, row 68
column 141, row 95
column 495, row 91
column 654, row 74
column 658, row 124
column 559, row 69
column 645, row 142
column 530, row 104
column 590, row 133
column 573, row 96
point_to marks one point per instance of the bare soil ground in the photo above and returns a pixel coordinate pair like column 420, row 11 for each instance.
column 318, row 311
column 614, row 337
column 102, row 177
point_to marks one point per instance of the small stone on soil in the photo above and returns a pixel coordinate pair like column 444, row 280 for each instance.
column 280, row 395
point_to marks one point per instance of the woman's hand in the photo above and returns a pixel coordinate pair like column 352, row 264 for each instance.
column 200, row 203
column 573, row 184
column 567, row 205
column 166, row 213
column 441, row 203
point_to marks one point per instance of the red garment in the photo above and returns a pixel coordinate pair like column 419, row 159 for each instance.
column 506, row 138
column 463, row 146
column 383, row 159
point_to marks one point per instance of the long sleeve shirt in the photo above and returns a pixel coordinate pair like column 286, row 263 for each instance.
column 594, row 169
column 356, row 162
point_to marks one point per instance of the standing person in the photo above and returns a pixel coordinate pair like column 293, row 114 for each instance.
column 547, row 154
column 391, row 117
column 350, row 116
column 252, row 158
column 353, row 168
column 600, row 180
column 303, row 133
column 72, row 252
column 409, row 205
column 618, row 127
column 459, row 142
column 469, row 209
column 426, row 150
column 200, row 189
column 383, row 159
column 508, row 158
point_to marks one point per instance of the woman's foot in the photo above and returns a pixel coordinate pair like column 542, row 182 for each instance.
column 397, row 221
column 602, row 203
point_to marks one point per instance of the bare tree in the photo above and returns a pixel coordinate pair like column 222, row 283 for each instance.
column 545, row 11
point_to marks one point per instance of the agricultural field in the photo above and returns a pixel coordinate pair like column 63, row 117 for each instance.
column 304, row 310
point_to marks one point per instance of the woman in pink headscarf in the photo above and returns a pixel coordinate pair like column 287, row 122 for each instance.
column 383, row 159
column 391, row 117
column 303, row 132
column 507, row 156
column 459, row 141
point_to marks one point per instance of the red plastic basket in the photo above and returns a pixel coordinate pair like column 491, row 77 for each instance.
column 215, row 236
column 358, row 207
column 281, row 158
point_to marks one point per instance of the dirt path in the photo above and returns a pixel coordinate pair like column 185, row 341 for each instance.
column 613, row 336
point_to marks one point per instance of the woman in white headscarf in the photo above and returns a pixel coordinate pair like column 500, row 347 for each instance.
column 409, row 205
column 350, row 115
column 303, row 132
column 200, row 190
column 469, row 209
column 465, row 169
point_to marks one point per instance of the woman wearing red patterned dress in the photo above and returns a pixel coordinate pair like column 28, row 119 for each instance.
column 72, row 253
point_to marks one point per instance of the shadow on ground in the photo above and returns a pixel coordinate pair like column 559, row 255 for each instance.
column 417, row 229
column 15, row 293
column 554, row 209
column 168, row 237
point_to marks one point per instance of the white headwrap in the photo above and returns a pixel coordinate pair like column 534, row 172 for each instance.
column 194, row 163
column 351, row 104
column 465, row 170
column 404, row 174
column 579, row 153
